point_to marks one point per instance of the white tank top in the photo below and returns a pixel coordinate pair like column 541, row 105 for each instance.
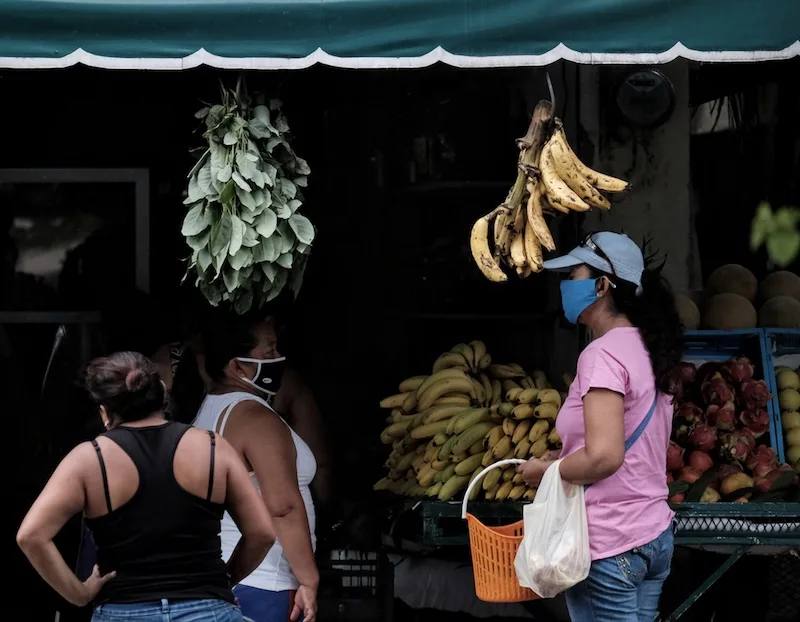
column 274, row 573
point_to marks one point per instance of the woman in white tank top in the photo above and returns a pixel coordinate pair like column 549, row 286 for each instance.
column 243, row 362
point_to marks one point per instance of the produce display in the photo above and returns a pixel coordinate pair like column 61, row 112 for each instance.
column 468, row 413
column 719, row 450
column 733, row 299
column 247, row 237
column 788, row 383
column 550, row 179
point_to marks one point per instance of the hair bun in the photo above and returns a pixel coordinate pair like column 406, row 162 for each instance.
column 136, row 380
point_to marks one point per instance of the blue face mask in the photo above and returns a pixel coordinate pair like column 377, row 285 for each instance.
column 577, row 296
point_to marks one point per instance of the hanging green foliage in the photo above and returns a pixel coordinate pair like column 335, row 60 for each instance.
column 248, row 239
column 778, row 231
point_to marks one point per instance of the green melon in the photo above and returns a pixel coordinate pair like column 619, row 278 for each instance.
column 780, row 312
column 732, row 279
column 781, row 283
column 729, row 312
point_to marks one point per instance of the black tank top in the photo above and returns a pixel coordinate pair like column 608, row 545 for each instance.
column 164, row 542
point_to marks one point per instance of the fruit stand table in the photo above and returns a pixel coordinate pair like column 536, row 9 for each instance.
column 736, row 529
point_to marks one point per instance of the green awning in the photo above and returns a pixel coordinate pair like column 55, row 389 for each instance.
column 293, row 34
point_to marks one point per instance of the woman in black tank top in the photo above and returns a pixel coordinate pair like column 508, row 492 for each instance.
column 153, row 493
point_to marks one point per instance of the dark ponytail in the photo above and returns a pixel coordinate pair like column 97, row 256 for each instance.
column 653, row 312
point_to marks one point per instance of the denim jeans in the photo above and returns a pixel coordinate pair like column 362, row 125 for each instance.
column 624, row 588
column 207, row 610
column 264, row 605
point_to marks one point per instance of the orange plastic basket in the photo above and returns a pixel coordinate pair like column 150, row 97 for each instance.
column 493, row 551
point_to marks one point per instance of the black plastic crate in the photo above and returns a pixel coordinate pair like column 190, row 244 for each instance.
column 356, row 586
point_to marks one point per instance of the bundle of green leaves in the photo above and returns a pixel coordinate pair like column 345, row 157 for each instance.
column 778, row 231
column 248, row 239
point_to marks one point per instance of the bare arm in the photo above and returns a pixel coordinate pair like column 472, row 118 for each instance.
column 306, row 420
column 61, row 499
column 248, row 512
column 604, row 452
column 268, row 447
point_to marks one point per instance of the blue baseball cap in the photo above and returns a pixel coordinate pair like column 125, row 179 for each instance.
column 613, row 253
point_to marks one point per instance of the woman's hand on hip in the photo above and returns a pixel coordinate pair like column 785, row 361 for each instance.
column 533, row 470
column 95, row 583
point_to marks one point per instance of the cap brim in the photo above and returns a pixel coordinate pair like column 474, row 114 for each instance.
column 576, row 257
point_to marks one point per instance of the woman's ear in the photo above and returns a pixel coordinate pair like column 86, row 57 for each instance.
column 602, row 286
column 104, row 417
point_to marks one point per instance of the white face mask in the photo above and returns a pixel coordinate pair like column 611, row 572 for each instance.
column 269, row 373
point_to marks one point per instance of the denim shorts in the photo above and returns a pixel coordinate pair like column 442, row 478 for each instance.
column 264, row 605
column 207, row 610
column 626, row 587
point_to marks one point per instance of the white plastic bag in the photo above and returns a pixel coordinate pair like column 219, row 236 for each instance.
column 554, row 554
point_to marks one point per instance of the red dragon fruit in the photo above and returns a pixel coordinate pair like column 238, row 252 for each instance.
column 737, row 444
column 722, row 417
column 757, row 421
column 754, row 394
column 703, row 437
column 716, row 391
column 762, row 460
column 700, row 460
column 740, row 369
column 690, row 413
column 764, row 482
column 674, row 456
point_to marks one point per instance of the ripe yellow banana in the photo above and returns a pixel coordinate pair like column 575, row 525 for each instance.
column 491, row 479
column 521, row 431
column 527, row 383
column 487, row 389
column 517, row 479
column 504, row 491
column 467, row 352
column 471, row 435
column 448, row 360
column 453, row 486
column 528, row 396
column 448, row 385
column 490, row 494
column 426, row 476
column 513, row 394
column 549, row 396
column 559, row 194
column 540, row 380
column 477, row 448
column 497, row 392
column 465, row 467
column 600, row 181
column 433, row 491
column 522, row 449
column 439, row 376
column 446, row 449
column 479, row 350
column 453, row 400
column 410, row 403
column 470, row 419
column 568, row 171
column 518, row 258
column 517, row 492
column 554, row 439
column 394, row 401
column 529, row 494
column 476, row 489
column 523, row 411
column 429, row 430
column 535, row 214
column 479, row 245
column 502, row 447
column 430, row 454
column 493, row 436
column 485, row 362
column 539, row 448
column 480, row 391
column 509, row 426
column 538, row 430
column 504, row 371
column 439, row 465
column 411, row 384
column 533, row 250
column 488, row 458
column 382, row 484
column 508, row 474
column 544, row 411
column 456, row 458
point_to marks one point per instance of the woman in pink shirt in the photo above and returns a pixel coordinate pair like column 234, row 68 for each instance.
column 615, row 425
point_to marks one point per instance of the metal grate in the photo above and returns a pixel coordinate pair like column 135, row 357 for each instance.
column 784, row 589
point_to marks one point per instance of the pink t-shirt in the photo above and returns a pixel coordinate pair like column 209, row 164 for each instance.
column 628, row 509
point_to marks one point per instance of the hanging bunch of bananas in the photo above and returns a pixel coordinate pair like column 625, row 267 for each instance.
column 446, row 427
column 550, row 179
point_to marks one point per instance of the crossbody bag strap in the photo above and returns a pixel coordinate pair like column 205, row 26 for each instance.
column 639, row 429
